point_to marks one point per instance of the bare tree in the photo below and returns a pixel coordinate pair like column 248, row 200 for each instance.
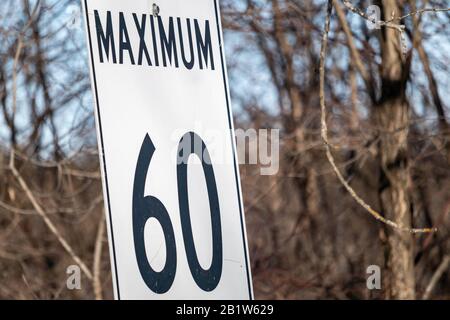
column 376, row 97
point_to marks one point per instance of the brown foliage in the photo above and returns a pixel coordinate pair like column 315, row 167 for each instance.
column 308, row 238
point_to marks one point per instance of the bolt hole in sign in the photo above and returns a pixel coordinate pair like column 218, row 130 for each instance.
column 167, row 150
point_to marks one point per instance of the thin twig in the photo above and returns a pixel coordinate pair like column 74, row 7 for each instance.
column 20, row 45
column 324, row 135
column 14, row 77
column 97, row 259
column 45, row 217
column 436, row 276
column 356, row 57
column 387, row 24
column 419, row 12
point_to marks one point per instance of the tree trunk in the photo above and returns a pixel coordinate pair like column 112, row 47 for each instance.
column 392, row 120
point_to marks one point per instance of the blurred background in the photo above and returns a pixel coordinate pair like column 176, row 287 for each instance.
column 387, row 100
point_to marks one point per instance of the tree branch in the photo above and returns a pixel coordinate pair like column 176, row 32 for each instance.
column 45, row 217
column 324, row 135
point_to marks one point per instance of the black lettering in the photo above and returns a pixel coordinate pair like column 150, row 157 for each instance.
column 142, row 46
column 155, row 47
column 124, row 40
column 167, row 40
column 187, row 64
column 204, row 46
column 168, row 46
column 105, row 40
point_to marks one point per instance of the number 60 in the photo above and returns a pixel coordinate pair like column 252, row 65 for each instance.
column 146, row 207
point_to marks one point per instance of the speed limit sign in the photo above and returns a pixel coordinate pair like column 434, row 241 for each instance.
column 171, row 185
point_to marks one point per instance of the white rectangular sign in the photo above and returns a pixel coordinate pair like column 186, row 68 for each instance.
column 170, row 176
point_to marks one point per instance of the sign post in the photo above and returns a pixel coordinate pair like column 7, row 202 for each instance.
column 172, row 194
